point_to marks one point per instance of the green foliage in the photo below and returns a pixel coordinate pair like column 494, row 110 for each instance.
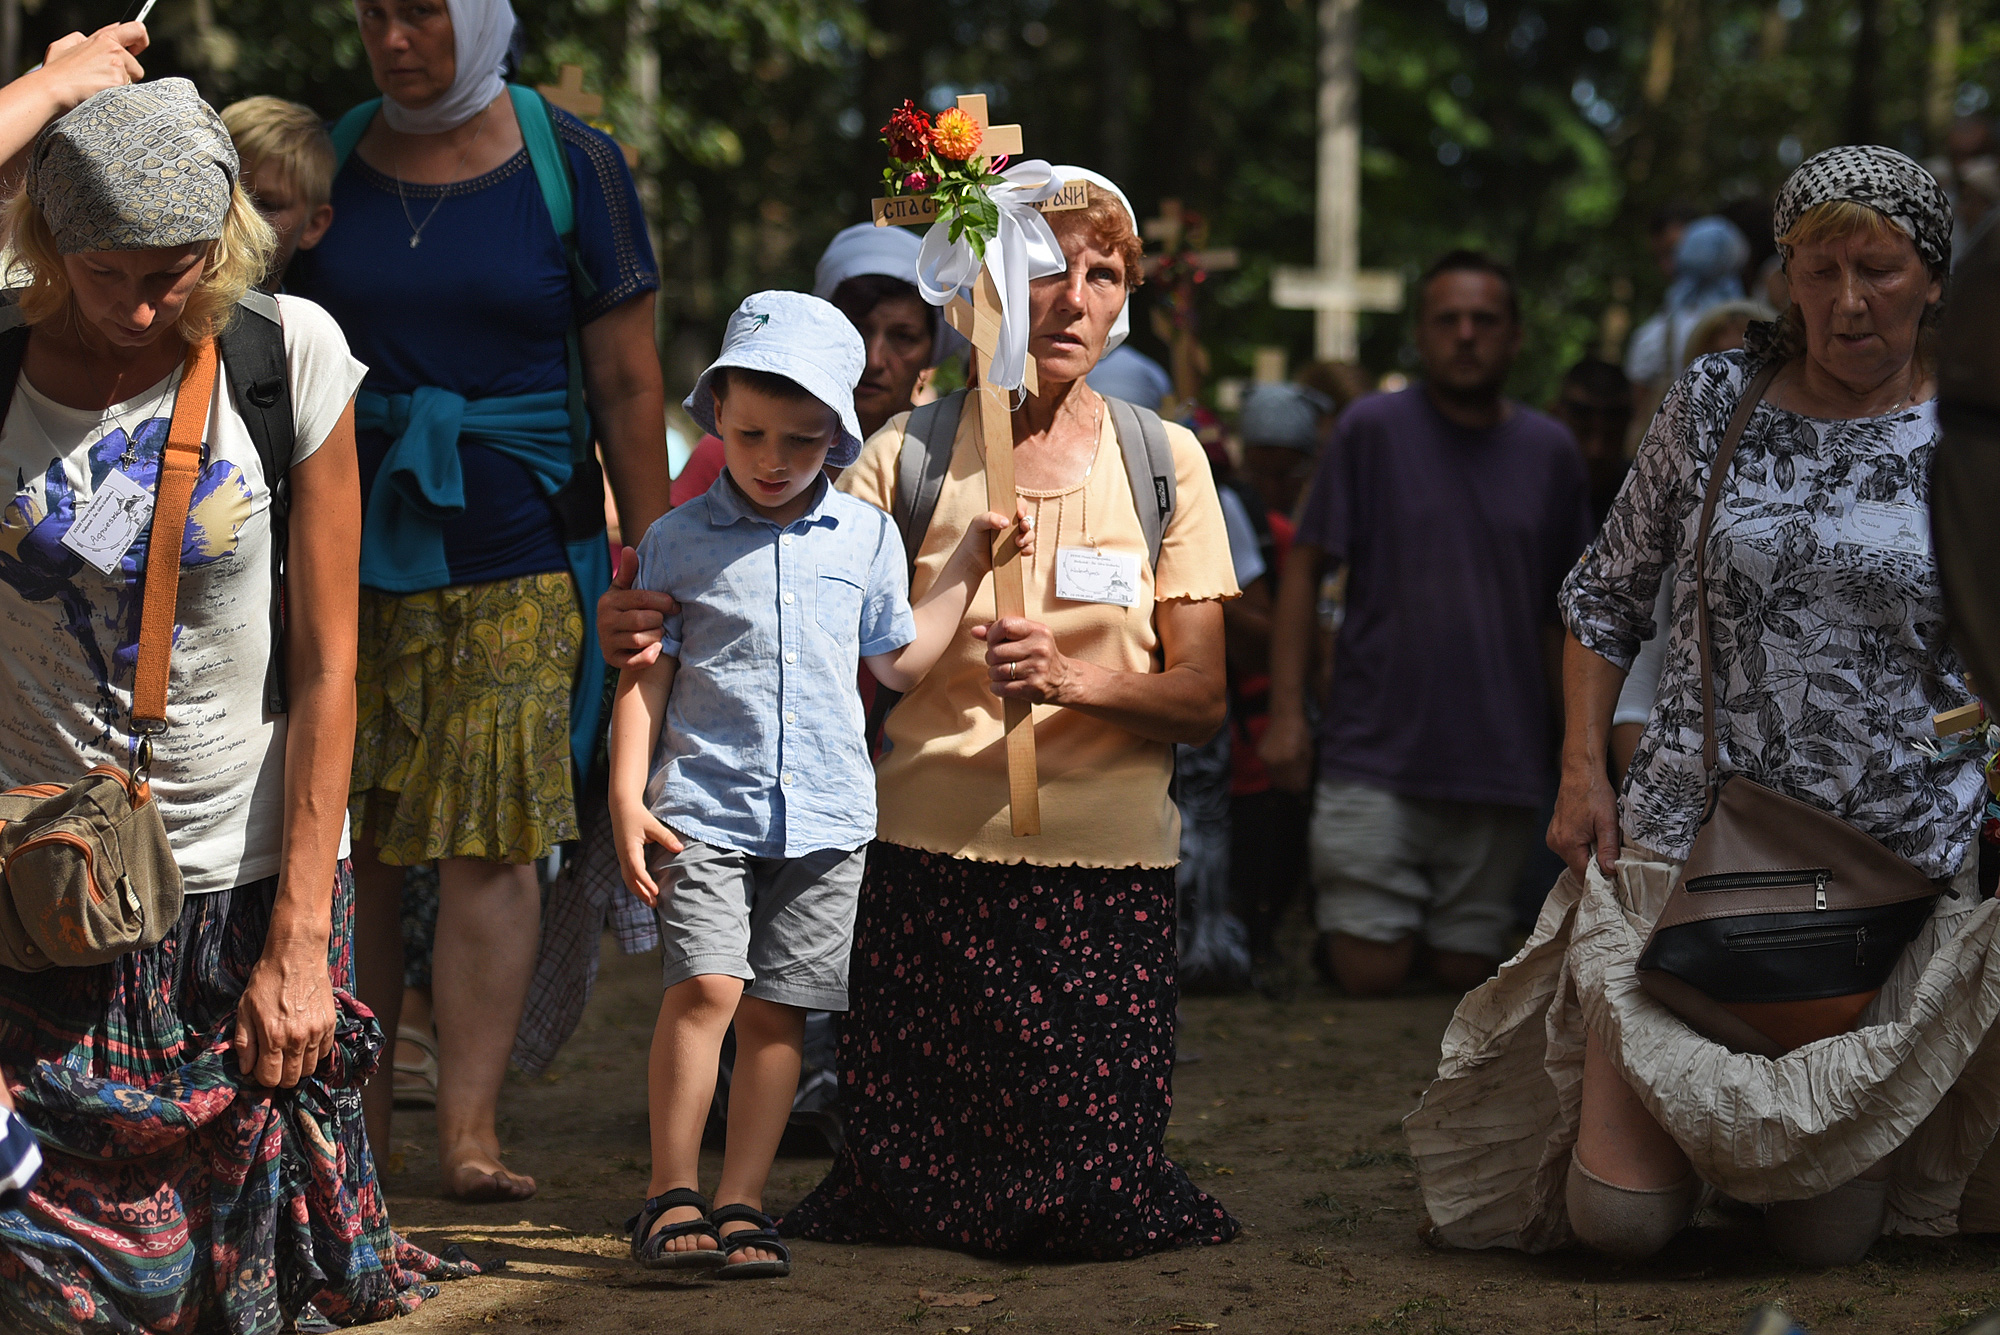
column 1543, row 130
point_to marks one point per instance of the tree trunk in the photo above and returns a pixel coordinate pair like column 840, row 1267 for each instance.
column 1943, row 83
column 1867, row 62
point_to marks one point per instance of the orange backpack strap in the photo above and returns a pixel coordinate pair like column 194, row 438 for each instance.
column 179, row 466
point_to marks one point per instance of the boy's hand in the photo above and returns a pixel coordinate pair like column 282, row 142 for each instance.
column 632, row 828
column 631, row 622
column 981, row 534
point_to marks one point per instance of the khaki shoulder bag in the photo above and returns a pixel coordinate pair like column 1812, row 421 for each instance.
column 1786, row 920
column 86, row 873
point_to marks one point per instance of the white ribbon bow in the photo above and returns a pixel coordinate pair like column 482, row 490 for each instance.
column 1026, row 248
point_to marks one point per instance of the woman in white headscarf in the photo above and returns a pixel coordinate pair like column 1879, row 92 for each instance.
column 1005, row 1065
column 490, row 265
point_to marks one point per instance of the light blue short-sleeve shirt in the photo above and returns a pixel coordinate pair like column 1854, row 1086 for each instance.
column 764, row 749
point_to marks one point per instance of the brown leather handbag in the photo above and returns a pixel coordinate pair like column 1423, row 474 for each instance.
column 86, row 872
column 1786, row 920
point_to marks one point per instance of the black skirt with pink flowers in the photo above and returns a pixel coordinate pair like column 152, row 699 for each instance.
column 1006, row 1070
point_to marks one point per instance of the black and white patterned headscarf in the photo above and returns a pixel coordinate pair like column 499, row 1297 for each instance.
column 1884, row 180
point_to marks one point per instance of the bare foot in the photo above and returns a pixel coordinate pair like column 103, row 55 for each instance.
column 478, row 1179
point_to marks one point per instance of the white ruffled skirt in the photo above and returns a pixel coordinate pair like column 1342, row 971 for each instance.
column 1919, row 1079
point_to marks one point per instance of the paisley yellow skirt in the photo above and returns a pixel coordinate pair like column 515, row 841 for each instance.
column 461, row 746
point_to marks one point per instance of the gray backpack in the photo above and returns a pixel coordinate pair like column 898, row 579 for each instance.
column 925, row 459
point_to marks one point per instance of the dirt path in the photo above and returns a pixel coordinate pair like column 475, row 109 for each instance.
column 1289, row 1114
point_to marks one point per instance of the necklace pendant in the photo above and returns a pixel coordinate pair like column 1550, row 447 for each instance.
column 414, row 240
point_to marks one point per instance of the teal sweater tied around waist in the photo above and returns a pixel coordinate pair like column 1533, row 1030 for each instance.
column 421, row 485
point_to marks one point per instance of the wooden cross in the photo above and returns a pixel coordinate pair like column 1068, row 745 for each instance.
column 567, row 92
column 1184, row 262
column 979, row 321
column 1337, row 290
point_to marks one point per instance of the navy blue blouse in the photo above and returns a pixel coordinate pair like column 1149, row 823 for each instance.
column 481, row 307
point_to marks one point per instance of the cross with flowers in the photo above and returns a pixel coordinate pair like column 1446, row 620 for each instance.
column 946, row 173
column 1183, row 264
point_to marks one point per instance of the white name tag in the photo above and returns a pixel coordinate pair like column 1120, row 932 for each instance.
column 111, row 523
column 1086, row 575
column 1899, row 528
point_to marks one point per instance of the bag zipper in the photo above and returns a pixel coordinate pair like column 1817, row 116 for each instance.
column 1799, row 938
column 75, row 841
column 1816, row 877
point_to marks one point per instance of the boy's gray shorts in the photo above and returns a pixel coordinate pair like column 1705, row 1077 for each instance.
column 783, row 925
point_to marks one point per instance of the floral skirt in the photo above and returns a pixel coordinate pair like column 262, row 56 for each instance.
column 461, row 746
column 1006, row 1067
column 175, row 1197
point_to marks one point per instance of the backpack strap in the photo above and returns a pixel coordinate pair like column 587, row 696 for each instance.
column 253, row 353
column 13, row 348
column 347, row 131
column 921, row 467
column 1149, row 465
column 545, row 155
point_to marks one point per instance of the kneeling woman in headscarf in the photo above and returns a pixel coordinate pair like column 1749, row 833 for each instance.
column 1806, row 653
column 196, row 1100
column 489, row 262
column 1005, row 1065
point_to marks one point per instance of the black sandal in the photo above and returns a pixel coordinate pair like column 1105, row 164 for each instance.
column 649, row 1248
column 762, row 1234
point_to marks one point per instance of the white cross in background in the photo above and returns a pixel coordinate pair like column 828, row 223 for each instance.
column 1338, row 289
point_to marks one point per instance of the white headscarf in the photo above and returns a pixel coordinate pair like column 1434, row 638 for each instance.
column 1121, row 328
column 890, row 251
column 481, row 31
column 866, row 249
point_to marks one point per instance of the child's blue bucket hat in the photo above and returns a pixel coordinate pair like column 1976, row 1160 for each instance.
column 803, row 339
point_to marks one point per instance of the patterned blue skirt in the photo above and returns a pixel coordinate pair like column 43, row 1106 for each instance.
column 175, row 1196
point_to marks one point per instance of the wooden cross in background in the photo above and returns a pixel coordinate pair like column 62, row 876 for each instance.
column 1337, row 289
column 1184, row 263
column 979, row 322
column 567, row 92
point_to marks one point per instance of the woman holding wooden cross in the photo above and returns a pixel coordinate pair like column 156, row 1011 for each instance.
column 1005, row 1068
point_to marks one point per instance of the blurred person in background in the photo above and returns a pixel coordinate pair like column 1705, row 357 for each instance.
column 1595, row 403
column 1708, row 270
column 1457, row 512
column 1970, row 174
column 1129, row 374
column 1281, row 427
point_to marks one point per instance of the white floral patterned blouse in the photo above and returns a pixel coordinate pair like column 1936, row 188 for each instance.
column 1828, row 630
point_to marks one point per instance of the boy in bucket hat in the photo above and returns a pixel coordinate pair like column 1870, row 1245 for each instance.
column 739, row 774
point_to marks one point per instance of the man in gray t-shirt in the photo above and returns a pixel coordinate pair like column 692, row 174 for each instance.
column 1455, row 513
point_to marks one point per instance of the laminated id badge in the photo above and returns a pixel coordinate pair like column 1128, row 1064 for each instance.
column 117, row 514
column 1086, row 575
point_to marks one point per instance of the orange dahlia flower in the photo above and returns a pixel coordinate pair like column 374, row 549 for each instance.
column 956, row 135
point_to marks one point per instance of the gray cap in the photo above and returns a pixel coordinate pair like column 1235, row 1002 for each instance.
column 804, row 339
column 1286, row 416
column 133, row 168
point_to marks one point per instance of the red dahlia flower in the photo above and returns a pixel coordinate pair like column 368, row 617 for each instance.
column 908, row 133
